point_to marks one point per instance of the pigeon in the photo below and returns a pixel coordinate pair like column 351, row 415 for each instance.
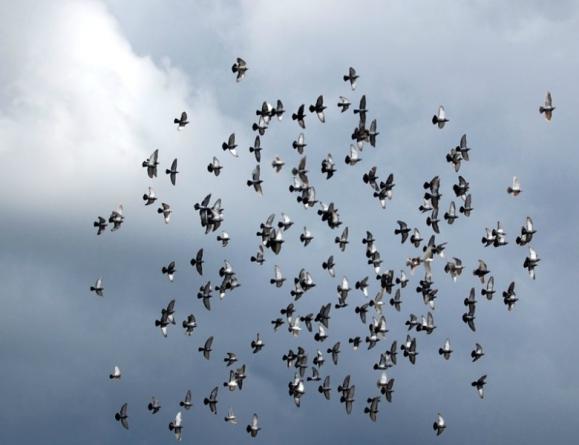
column 466, row 208
column 259, row 256
column 277, row 164
column 348, row 398
column 510, row 297
column 98, row 287
column 469, row 317
column 224, row 239
column 116, row 374
column 463, row 148
column 351, row 77
column 362, row 285
column 172, row 172
column 230, row 145
column 328, row 166
column 325, row 388
column 342, row 240
column 260, row 126
column 386, row 386
column 315, row 377
column 372, row 133
column 489, row 289
column 116, row 218
column 461, row 188
column 231, row 418
column 256, row 149
column 433, row 221
column 531, row 262
column 206, row 348
column 278, row 278
column 277, row 323
column 396, row 301
column 149, row 197
column 231, row 384
column 300, row 116
column 299, row 145
column 197, row 262
column 479, row 384
column 166, row 210
column 212, row 400
column 362, row 110
column 253, row 428
column 481, row 271
column 329, row 266
column 230, row 359
column 440, row 117
column 186, row 402
column 278, row 111
column 215, row 167
column 477, row 352
column 343, row 103
column 169, row 270
column 189, row 324
column 439, row 424
column 151, row 164
column 182, row 121
column 451, row 215
column 446, row 350
column 255, row 180
column 176, row 426
column 101, row 224
column 548, row 108
column 122, row 416
column 239, row 67
column 354, row 157
column 515, row 188
column 527, row 232
column 372, row 410
column 319, row 108
column 257, row 344
column 306, row 236
column 285, row 222
column 335, row 351
column 403, row 231
column 154, row 406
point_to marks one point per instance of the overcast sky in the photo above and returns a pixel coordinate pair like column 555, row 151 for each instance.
column 88, row 89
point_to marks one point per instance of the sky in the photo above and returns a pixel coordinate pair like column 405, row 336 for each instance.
column 88, row 89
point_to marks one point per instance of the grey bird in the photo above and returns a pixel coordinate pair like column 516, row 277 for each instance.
column 353, row 157
column 510, row 297
column 215, row 166
column 325, row 388
column 306, row 237
column 256, row 149
column 256, row 180
column 547, row 108
column 451, row 215
column 329, row 266
column 169, row 270
column 372, row 409
column 197, row 262
column 342, row 240
column 239, row 68
column 166, row 211
column 299, row 144
column 300, row 116
column 445, row 350
column 151, row 164
column 261, row 125
column 466, row 208
column 257, row 344
column 186, row 402
column 253, row 428
column 439, row 424
column 527, row 232
column 362, row 110
column 176, row 426
column 231, row 418
column 212, row 401
column 440, row 117
column 479, row 385
column 98, row 287
column 207, row 348
column 343, row 103
column 335, row 351
column 189, row 324
column 477, row 352
column 223, row 238
column 149, row 197
column 278, row 278
column 122, row 416
column 230, row 145
column 172, row 172
column 351, row 77
column 328, row 166
column 515, row 188
column 489, row 289
column 319, row 108
column 230, row 358
column 117, row 218
column 277, row 164
column 154, row 406
column 403, row 230
column 259, row 257
column 181, row 121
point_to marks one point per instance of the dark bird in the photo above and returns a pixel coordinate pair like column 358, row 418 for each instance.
column 182, row 121
column 122, row 416
column 351, row 77
column 239, row 67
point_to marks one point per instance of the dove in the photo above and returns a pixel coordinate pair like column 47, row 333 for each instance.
column 197, row 262
column 278, row 278
column 278, row 111
column 372, row 133
column 463, row 148
column 396, row 301
column 328, row 166
column 547, row 108
column 166, row 210
column 510, row 297
column 351, row 77
column 466, row 208
column 116, row 374
column 335, row 351
column 154, row 406
column 343, row 103
column 189, row 324
column 206, row 348
column 362, row 110
column 527, row 232
column 182, row 121
column 319, row 108
column 122, row 416
column 212, row 400
column 253, row 428
column 186, row 402
column 172, row 172
column 176, row 426
column 230, row 145
column 321, row 335
column 439, row 424
column 255, row 180
column 481, row 271
column 231, row 418
column 306, row 236
column 325, row 388
column 489, row 289
column 231, row 384
column 469, row 317
column 260, row 126
column 169, row 270
column 240, row 375
column 342, row 240
column 315, row 377
column 239, row 68
column 461, row 188
column 403, row 231
column 515, row 188
column 445, row 350
column 479, row 385
column 440, row 117
column 372, row 410
column 149, row 197
column 117, row 218
column 386, row 386
column 299, row 144
column 300, row 116
column 348, row 398
column 98, row 287
column 433, row 221
column 454, row 268
column 294, row 327
column 230, row 358
column 215, row 166
column 101, row 225
column 415, row 238
column 224, row 239
column 354, row 157
column 277, row 164
column 277, row 323
column 362, row 285
column 371, row 178
column 451, row 215
column 285, row 222
column 256, row 149
column 257, row 344
column 151, row 164
column 477, row 352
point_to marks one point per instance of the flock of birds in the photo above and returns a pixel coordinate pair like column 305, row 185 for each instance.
column 271, row 237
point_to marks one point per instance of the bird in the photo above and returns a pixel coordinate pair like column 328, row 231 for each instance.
column 306, row 237
column 299, row 116
column 169, row 270
column 547, row 108
column 299, row 145
column 189, row 324
column 372, row 410
column 149, row 197
column 151, row 164
column 527, row 232
column 439, row 424
column 230, row 145
column 211, row 401
column 351, row 77
column 477, row 352
column 329, row 266
column 277, row 164
column 256, row 149
column 116, row 374
column 176, row 426
column 172, row 172
column 440, row 117
column 445, row 350
column 182, row 121
column 489, row 289
column 255, row 180
column 239, row 68
column 531, row 262
column 319, row 108
column 101, row 224
column 122, row 416
column 353, row 157
column 257, row 344
column 343, row 104
column 215, row 166
column 342, row 240
column 253, row 428
column 166, row 210
column 154, row 406
column 197, row 262
column 224, row 239
column 206, row 348
column 479, row 385
column 117, row 218
column 230, row 417
column 325, row 388
column 328, row 166
column 98, row 287
column 403, row 231
column 515, row 188
column 186, row 402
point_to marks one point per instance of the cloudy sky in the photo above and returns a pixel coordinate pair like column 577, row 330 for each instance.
column 88, row 89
